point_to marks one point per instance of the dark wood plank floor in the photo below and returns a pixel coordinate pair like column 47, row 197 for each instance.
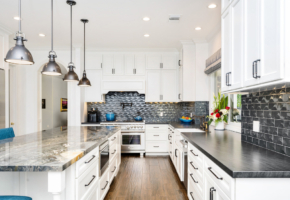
column 145, row 179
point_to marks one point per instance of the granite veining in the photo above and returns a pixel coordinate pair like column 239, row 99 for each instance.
column 51, row 150
column 237, row 158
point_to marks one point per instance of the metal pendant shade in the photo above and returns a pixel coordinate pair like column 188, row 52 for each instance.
column 19, row 54
column 71, row 76
column 84, row 82
column 51, row 68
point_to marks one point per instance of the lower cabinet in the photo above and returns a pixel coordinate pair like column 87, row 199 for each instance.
column 104, row 185
column 212, row 191
column 157, row 139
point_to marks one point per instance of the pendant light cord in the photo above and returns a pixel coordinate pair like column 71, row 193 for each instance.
column 19, row 10
column 51, row 25
column 70, row 33
column 85, row 47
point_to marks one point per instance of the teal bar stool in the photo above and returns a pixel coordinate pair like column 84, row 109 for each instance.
column 14, row 198
column 6, row 133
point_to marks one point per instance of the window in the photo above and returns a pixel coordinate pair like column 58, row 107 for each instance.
column 236, row 108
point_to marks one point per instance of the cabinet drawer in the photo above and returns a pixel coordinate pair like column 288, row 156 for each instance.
column 113, row 151
column 86, row 182
column 160, row 146
column 85, row 162
column 93, row 194
column 154, row 135
column 195, row 154
column 195, row 167
column 196, row 179
column 157, row 127
column 221, row 178
column 112, row 169
column 192, row 193
column 113, row 139
column 104, row 185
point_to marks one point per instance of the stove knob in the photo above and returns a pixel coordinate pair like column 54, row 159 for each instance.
column 134, row 126
column 131, row 126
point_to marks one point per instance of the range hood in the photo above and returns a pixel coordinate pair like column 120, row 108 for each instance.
column 123, row 86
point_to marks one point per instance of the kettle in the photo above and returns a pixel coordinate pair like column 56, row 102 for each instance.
column 110, row 116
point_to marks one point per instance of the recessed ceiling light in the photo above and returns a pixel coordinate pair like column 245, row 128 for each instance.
column 212, row 6
column 146, row 19
column 17, row 18
column 146, row 35
column 197, row 28
column 41, row 35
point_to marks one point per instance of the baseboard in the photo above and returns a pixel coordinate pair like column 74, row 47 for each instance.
column 156, row 154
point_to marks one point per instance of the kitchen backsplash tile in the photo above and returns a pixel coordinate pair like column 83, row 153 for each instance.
column 151, row 112
column 272, row 109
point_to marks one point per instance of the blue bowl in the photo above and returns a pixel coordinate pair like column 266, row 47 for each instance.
column 185, row 120
column 138, row 118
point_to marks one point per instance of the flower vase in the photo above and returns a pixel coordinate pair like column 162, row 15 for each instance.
column 220, row 126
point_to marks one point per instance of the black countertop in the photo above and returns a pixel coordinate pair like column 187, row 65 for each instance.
column 178, row 125
column 239, row 159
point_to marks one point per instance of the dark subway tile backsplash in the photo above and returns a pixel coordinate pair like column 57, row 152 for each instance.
column 272, row 109
column 151, row 112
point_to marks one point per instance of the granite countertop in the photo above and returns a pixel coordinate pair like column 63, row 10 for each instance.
column 51, row 150
column 91, row 123
column 239, row 159
column 177, row 125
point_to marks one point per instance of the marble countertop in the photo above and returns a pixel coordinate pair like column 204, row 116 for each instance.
column 51, row 150
column 239, row 159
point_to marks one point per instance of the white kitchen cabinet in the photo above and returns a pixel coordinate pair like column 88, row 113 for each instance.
column 118, row 64
column 153, row 85
column 169, row 61
column 153, row 61
column 113, row 64
column 108, row 64
column 169, row 85
column 212, row 192
column 93, row 93
column 94, row 60
column 225, row 4
column 157, row 140
column 135, row 64
column 180, row 79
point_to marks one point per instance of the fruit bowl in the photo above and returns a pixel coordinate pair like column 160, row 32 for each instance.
column 186, row 120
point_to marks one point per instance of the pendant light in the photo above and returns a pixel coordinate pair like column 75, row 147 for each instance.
column 51, row 68
column 84, row 82
column 19, row 54
column 71, row 76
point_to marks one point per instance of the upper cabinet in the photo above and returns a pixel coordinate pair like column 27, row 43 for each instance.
column 93, row 93
column 94, row 60
column 113, row 64
column 135, row 64
column 225, row 4
column 162, row 61
column 253, row 43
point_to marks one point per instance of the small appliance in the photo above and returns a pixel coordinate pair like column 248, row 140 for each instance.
column 110, row 116
column 93, row 116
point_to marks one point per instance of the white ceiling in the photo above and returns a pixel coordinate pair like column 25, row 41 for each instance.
column 114, row 23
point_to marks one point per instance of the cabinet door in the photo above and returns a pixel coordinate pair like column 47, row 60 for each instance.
column 169, row 85
column 140, row 64
column 94, row 60
column 153, row 61
column 180, row 83
column 271, row 66
column 153, row 84
column 252, row 39
column 209, row 186
column 225, row 4
column 237, row 29
column 169, row 61
column 93, row 93
column 129, row 64
column 118, row 64
column 226, row 49
column 108, row 64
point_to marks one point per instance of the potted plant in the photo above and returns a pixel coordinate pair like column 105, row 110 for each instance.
column 220, row 114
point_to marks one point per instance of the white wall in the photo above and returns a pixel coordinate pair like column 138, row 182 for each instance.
column 214, row 43
column 53, row 89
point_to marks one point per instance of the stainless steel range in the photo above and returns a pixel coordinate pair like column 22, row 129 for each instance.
column 133, row 135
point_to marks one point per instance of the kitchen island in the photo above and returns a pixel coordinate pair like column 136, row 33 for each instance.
column 222, row 166
column 57, row 163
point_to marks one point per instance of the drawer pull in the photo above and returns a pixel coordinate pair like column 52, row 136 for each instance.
column 90, row 159
column 113, row 139
column 170, row 142
column 193, row 178
column 193, row 153
column 155, row 135
column 156, row 146
column 105, row 185
column 193, row 166
column 214, row 174
column 91, row 181
column 155, row 127
column 114, row 151
column 114, row 169
column 211, row 190
column 191, row 195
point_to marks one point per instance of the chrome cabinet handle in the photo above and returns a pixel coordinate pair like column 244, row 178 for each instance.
column 170, row 142
column 193, row 153
column 191, row 195
column 161, row 65
column 91, row 181
column 229, row 79
column 255, row 69
column 101, row 65
column 155, row 127
column 156, row 146
column 113, row 139
column 179, row 63
column 175, row 153
column 193, row 166
column 211, row 190
column 156, row 135
column 90, row 159
column 105, row 185
column 193, row 178
column 114, row 169
column 114, row 151
column 168, row 136
column 220, row 178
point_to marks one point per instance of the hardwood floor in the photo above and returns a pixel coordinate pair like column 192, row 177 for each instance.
column 145, row 179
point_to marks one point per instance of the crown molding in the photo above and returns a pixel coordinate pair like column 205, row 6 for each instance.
column 132, row 50
column 5, row 30
column 186, row 42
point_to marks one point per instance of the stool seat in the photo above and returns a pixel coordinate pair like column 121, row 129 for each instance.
column 14, row 198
